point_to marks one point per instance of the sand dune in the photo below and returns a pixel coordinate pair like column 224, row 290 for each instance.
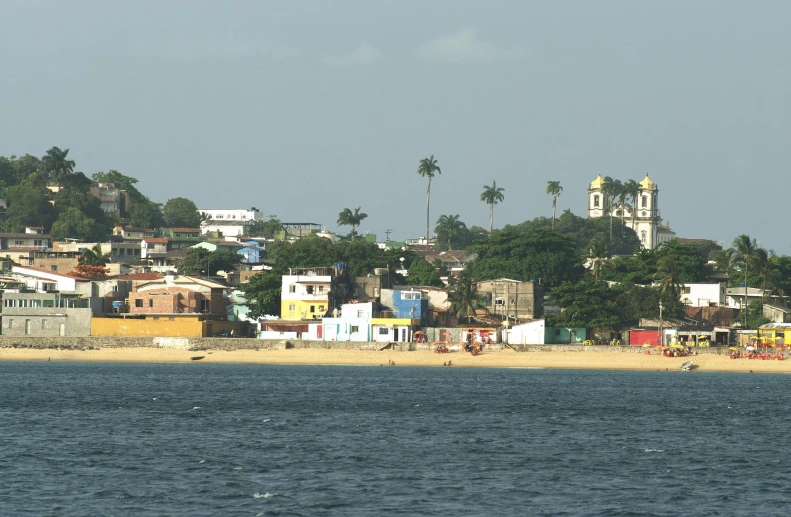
column 610, row 360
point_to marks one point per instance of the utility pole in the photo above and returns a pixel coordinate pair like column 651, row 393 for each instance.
column 387, row 235
column 661, row 337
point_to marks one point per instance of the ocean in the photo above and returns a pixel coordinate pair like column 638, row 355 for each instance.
column 94, row 439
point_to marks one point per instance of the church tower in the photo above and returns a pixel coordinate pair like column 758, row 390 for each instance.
column 647, row 221
column 596, row 199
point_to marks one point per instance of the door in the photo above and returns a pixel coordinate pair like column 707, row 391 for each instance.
column 403, row 335
column 62, row 329
column 27, row 327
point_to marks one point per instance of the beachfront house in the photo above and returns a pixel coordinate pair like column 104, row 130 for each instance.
column 539, row 333
column 512, row 299
column 353, row 324
column 46, row 314
column 309, row 293
column 405, row 303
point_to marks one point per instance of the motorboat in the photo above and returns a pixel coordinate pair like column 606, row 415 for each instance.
column 686, row 366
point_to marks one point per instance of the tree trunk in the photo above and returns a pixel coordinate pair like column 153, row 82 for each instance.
column 491, row 217
column 745, row 293
column 428, row 199
column 554, row 205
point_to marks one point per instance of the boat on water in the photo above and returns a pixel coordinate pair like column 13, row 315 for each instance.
column 686, row 366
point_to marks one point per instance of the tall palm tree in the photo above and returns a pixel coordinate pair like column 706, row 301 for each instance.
column 428, row 168
column 632, row 190
column 463, row 297
column 598, row 252
column 93, row 256
column 611, row 189
column 353, row 219
column 56, row 164
column 554, row 189
column 744, row 253
column 448, row 226
column 491, row 196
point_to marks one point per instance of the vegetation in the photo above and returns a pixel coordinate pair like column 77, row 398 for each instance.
column 180, row 212
column 492, row 195
column 554, row 189
column 353, row 219
column 428, row 168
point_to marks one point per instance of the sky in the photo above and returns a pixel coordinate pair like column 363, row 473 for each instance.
column 304, row 108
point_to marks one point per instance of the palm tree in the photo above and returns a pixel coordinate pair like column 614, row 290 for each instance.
column 611, row 189
column 448, row 226
column 56, row 164
column 764, row 267
column 667, row 272
column 554, row 189
column 463, row 297
column 744, row 253
column 93, row 256
column 353, row 219
column 427, row 168
column 632, row 189
column 491, row 196
column 598, row 252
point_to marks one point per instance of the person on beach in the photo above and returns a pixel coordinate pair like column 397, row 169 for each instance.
column 450, row 362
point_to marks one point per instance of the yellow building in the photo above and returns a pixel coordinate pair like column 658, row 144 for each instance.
column 393, row 330
column 163, row 325
column 307, row 294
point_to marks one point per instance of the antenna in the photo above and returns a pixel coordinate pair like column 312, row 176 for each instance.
column 387, row 235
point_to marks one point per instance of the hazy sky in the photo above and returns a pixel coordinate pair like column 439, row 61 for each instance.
column 303, row 108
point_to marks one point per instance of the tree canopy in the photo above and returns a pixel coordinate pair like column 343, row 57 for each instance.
column 181, row 212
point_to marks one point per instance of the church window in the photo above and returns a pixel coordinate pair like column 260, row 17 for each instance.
column 645, row 201
column 643, row 236
column 596, row 201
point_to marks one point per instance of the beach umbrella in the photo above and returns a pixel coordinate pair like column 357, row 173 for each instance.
column 750, row 347
column 676, row 345
column 734, row 348
column 646, row 345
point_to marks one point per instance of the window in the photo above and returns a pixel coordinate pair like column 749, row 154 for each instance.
column 309, row 289
column 644, row 202
column 38, row 242
column 643, row 236
column 321, row 308
column 322, row 289
column 780, row 334
column 557, row 332
column 499, row 301
column 115, row 287
column 410, row 296
column 19, row 243
column 687, row 290
column 360, row 314
column 596, row 201
column 292, row 307
column 150, row 302
column 384, row 331
column 354, row 329
column 54, row 268
column 138, row 303
column 312, row 308
column 292, row 289
column 156, row 318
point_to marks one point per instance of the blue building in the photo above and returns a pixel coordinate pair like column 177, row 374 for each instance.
column 407, row 303
column 252, row 252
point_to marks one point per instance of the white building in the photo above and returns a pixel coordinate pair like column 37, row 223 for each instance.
column 354, row 324
column 704, row 295
column 531, row 333
column 646, row 222
column 229, row 222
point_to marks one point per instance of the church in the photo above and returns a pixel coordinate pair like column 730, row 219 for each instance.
column 645, row 221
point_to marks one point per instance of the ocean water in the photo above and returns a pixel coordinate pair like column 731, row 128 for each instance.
column 192, row 439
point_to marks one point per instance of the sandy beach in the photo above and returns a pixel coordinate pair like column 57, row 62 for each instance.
column 614, row 360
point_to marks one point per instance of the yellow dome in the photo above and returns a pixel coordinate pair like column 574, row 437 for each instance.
column 597, row 183
column 647, row 184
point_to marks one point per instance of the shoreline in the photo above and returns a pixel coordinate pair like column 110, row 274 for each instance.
column 570, row 360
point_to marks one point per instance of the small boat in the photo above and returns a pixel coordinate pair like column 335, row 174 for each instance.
column 687, row 366
column 197, row 357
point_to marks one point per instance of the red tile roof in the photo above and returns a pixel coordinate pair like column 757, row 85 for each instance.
column 140, row 276
column 157, row 240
